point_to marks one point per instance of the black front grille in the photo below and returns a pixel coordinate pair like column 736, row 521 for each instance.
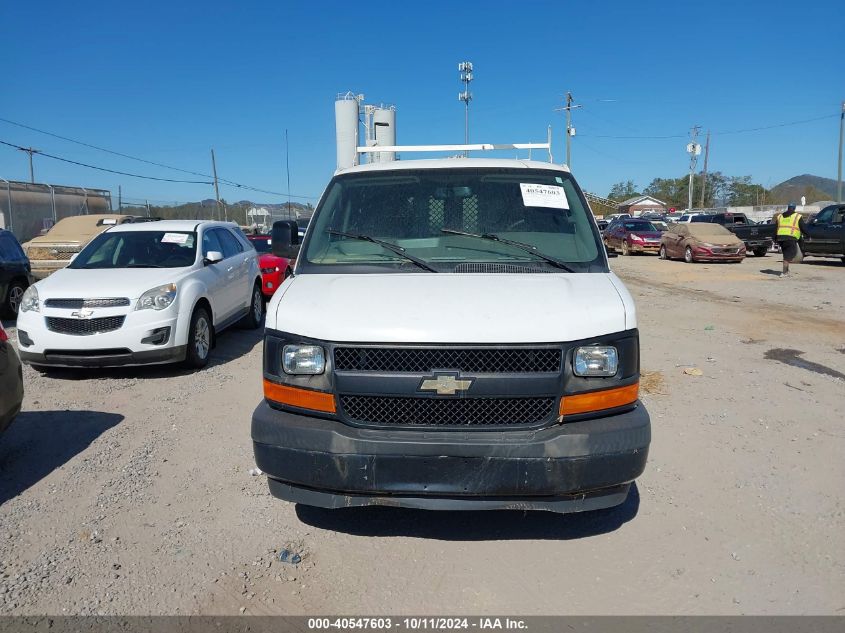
column 446, row 412
column 83, row 327
column 76, row 304
column 423, row 360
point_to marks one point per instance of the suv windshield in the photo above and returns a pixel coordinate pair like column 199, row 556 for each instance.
column 139, row 249
column 422, row 213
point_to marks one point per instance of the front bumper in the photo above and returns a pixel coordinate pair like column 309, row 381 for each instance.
column 109, row 357
column 119, row 347
column 565, row 468
column 645, row 248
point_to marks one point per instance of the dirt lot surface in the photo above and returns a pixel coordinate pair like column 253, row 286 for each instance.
column 129, row 491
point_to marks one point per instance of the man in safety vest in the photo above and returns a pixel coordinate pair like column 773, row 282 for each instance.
column 789, row 230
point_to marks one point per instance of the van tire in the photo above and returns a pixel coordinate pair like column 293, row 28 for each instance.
column 200, row 337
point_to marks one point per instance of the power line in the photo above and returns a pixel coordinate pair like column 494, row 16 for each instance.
column 111, row 171
column 230, row 183
column 724, row 132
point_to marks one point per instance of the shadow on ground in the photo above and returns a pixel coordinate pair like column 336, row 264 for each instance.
column 231, row 345
column 491, row 525
column 39, row 442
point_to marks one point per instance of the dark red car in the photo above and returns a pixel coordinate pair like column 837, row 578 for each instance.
column 274, row 269
column 632, row 236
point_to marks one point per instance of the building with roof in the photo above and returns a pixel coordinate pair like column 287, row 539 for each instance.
column 642, row 204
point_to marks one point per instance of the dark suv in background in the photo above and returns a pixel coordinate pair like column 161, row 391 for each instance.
column 15, row 274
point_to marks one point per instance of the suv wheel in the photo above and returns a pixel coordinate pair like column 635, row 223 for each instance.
column 760, row 252
column 625, row 248
column 199, row 339
column 12, row 301
column 255, row 315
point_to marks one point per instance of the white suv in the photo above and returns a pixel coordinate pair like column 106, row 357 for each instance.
column 149, row 293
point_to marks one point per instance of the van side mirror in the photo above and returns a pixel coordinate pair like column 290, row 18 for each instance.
column 284, row 239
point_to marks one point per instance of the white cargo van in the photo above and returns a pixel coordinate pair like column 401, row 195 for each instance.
column 452, row 338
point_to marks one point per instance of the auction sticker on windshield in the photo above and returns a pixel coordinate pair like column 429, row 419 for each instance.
column 550, row 196
column 175, row 238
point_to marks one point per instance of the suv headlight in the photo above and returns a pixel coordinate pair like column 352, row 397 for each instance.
column 303, row 359
column 596, row 361
column 29, row 301
column 157, row 298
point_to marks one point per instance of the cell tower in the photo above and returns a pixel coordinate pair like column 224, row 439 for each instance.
column 465, row 70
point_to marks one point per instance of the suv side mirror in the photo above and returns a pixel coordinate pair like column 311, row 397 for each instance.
column 284, row 239
column 212, row 257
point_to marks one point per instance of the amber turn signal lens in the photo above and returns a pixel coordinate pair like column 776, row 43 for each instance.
column 599, row 400
column 301, row 398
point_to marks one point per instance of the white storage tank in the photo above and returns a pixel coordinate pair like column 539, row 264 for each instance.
column 346, row 128
column 384, row 122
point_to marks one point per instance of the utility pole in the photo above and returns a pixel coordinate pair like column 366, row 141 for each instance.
column 30, row 151
column 120, row 199
column 287, row 168
column 704, row 173
column 694, row 149
column 841, row 136
column 216, row 189
column 570, row 131
column 465, row 69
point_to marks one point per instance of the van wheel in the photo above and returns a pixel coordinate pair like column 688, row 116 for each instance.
column 199, row 339
column 662, row 252
column 253, row 318
column 12, row 301
column 688, row 258
column 625, row 249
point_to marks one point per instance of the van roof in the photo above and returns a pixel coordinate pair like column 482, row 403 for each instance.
column 453, row 163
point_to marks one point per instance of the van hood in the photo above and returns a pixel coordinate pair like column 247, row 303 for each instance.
column 452, row 308
column 72, row 283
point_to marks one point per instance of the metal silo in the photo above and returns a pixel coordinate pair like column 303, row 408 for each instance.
column 384, row 122
column 346, row 127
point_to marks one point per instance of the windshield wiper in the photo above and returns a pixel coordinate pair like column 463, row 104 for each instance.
column 143, row 266
column 394, row 248
column 528, row 248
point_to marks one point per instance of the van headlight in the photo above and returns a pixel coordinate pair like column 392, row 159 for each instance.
column 596, row 361
column 303, row 359
column 157, row 298
column 29, row 301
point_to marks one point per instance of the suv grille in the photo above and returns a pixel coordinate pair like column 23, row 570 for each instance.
column 76, row 304
column 440, row 412
column 422, row 360
column 84, row 327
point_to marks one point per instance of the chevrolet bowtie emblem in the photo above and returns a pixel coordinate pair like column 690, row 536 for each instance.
column 446, row 385
column 83, row 314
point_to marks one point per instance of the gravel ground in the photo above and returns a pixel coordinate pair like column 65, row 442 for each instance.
column 129, row 491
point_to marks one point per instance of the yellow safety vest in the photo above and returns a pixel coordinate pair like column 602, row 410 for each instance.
column 788, row 227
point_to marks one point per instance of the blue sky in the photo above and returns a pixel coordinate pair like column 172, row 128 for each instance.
column 166, row 81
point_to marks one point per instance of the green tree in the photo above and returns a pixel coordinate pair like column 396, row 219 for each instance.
column 623, row 190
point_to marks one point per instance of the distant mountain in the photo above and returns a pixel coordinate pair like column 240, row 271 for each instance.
column 814, row 188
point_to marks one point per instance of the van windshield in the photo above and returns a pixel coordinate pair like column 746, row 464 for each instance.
column 139, row 249
column 453, row 220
